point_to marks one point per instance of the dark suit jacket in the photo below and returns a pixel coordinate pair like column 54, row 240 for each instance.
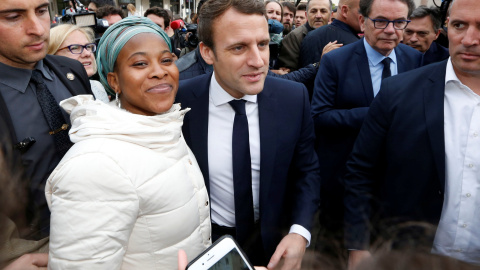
column 313, row 44
column 435, row 53
column 342, row 94
column 60, row 66
column 396, row 171
column 289, row 179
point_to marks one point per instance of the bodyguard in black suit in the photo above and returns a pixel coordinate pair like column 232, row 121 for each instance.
column 344, row 29
column 279, row 184
column 416, row 157
column 346, row 83
column 22, row 57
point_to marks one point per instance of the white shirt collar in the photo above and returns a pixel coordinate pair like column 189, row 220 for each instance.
column 219, row 96
column 450, row 73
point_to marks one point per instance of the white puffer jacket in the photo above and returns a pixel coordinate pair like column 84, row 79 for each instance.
column 128, row 194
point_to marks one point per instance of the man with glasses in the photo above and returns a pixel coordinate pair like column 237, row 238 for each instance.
column 412, row 177
column 347, row 81
column 31, row 86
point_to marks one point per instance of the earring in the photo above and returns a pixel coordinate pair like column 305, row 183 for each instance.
column 117, row 101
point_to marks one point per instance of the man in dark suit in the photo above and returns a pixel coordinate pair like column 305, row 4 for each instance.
column 344, row 29
column 347, row 81
column 416, row 157
column 422, row 32
column 25, row 72
column 281, row 174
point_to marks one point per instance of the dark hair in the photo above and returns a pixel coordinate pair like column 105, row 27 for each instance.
column 329, row 7
column 281, row 7
column 101, row 3
column 160, row 12
column 366, row 6
column 302, row 6
column 432, row 12
column 213, row 9
column 109, row 10
column 290, row 7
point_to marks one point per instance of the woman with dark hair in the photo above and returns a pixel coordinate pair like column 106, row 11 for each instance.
column 129, row 193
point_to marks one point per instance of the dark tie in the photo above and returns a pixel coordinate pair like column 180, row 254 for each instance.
column 53, row 114
column 242, row 173
column 386, row 68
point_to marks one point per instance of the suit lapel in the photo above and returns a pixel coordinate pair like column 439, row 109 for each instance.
column 401, row 66
column 268, row 140
column 74, row 86
column 199, row 127
column 433, row 99
column 364, row 70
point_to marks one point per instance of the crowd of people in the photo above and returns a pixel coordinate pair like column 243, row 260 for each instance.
column 319, row 136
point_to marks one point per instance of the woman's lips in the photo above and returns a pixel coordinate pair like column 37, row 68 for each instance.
column 161, row 88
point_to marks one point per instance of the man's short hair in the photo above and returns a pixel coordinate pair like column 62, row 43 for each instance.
column 160, row 12
column 302, row 6
column 109, row 10
column 213, row 9
column 101, row 3
column 366, row 6
column 329, row 7
column 432, row 12
column 290, row 7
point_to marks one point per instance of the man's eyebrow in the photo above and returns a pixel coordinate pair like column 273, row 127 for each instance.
column 21, row 9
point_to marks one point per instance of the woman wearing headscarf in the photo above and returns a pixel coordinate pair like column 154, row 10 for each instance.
column 129, row 193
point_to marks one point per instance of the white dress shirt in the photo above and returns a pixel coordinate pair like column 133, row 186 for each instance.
column 458, row 233
column 376, row 67
column 220, row 127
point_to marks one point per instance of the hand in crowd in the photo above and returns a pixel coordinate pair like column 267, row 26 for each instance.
column 331, row 46
column 32, row 261
column 291, row 249
column 183, row 261
column 281, row 71
column 356, row 257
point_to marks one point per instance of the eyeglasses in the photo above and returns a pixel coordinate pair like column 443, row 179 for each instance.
column 382, row 23
column 78, row 49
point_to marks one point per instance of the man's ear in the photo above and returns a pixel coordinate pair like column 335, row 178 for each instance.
column 167, row 28
column 437, row 34
column 112, row 80
column 362, row 22
column 207, row 53
column 344, row 11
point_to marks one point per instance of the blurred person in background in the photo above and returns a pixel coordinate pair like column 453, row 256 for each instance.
column 111, row 14
column 78, row 43
column 300, row 15
column 288, row 14
column 132, row 11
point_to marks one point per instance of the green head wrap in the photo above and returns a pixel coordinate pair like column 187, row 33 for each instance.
column 116, row 37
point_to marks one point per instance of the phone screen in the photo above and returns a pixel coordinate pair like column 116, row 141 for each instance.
column 224, row 254
column 231, row 261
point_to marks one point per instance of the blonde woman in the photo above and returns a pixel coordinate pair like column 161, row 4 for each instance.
column 78, row 43
column 132, row 11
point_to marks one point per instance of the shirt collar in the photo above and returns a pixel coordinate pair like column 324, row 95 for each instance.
column 450, row 73
column 15, row 77
column 375, row 57
column 220, row 96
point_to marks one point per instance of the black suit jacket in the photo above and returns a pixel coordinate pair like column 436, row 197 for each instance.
column 435, row 53
column 289, row 179
column 37, row 207
column 342, row 94
column 60, row 66
column 396, row 171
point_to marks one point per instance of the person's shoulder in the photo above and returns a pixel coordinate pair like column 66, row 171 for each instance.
column 408, row 50
column 345, row 52
column 282, row 86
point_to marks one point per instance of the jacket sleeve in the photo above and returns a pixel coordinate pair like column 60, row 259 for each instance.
column 93, row 207
column 306, row 171
column 290, row 51
column 362, row 171
column 303, row 75
column 325, row 111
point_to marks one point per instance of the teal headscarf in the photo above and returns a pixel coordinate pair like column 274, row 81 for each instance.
column 116, row 37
